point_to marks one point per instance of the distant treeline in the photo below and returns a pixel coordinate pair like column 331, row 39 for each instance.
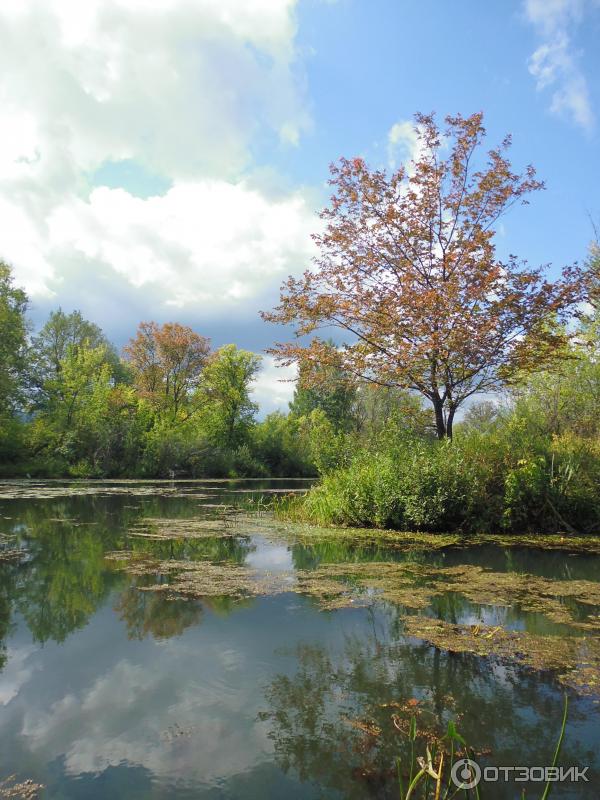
column 72, row 405
column 168, row 405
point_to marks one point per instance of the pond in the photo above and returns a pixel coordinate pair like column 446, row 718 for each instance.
column 172, row 640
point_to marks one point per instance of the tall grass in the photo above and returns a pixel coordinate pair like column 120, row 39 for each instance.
column 429, row 777
column 477, row 483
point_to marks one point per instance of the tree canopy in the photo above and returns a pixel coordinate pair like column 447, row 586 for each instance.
column 167, row 363
column 225, row 393
column 13, row 340
column 408, row 271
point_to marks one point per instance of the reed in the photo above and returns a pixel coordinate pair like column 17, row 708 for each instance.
column 429, row 777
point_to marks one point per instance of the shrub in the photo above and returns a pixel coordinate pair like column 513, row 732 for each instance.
column 480, row 482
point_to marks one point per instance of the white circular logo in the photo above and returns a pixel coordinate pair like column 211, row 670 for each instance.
column 466, row 773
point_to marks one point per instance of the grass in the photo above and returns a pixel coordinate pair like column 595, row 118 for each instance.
column 430, row 777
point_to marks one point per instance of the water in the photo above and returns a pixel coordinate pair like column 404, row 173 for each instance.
column 107, row 691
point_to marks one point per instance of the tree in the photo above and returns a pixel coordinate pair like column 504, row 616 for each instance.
column 167, row 363
column 277, row 443
column 325, row 387
column 225, row 390
column 80, row 407
column 13, row 342
column 593, row 273
column 389, row 410
column 589, row 328
column 60, row 338
column 482, row 416
column 408, row 272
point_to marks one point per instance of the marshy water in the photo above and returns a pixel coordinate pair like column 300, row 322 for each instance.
column 172, row 640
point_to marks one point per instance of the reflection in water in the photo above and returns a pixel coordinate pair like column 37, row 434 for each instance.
column 110, row 691
column 342, row 719
column 65, row 579
column 149, row 613
column 5, row 613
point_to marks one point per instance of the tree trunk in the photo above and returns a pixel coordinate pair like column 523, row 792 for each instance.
column 449, row 421
column 440, row 422
column 443, row 424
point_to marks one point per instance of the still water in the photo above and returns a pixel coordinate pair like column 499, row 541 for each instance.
column 108, row 691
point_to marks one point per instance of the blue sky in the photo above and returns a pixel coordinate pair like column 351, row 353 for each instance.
column 166, row 160
column 371, row 64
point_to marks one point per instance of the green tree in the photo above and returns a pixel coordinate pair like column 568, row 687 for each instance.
column 13, row 342
column 13, row 372
column 481, row 416
column 278, row 445
column 327, row 447
column 61, row 337
column 227, row 410
column 88, row 420
column 593, row 275
column 328, row 389
column 389, row 411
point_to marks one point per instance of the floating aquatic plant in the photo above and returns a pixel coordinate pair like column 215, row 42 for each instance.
column 574, row 659
column 20, row 790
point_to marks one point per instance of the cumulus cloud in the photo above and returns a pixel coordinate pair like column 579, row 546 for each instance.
column 125, row 715
column 274, row 385
column 402, row 144
column 183, row 88
column 16, row 673
column 209, row 243
column 555, row 64
column 549, row 15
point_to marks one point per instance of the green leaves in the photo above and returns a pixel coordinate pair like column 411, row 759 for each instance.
column 13, row 343
column 226, row 411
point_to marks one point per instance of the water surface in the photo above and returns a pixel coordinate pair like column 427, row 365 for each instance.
column 107, row 691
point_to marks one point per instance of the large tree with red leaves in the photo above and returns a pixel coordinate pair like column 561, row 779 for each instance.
column 167, row 363
column 408, row 271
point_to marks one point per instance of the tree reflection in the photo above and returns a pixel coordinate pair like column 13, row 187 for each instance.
column 6, row 582
column 152, row 614
column 341, row 719
column 64, row 578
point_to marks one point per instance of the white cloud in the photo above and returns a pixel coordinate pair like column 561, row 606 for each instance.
column 16, row 672
column 551, row 15
column 184, row 88
column 181, row 86
column 274, row 385
column 555, row 63
column 207, row 243
column 402, row 144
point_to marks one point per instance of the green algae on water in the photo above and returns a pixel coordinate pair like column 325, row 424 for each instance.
column 410, row 584
column 197, row 579
column 162, row 529
column 574, row 659
column 20, row 790
column 414, row 585
column 562, row 542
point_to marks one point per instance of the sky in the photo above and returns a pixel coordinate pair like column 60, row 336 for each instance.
column 166, row 159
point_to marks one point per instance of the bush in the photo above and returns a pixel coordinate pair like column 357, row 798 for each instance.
column 556, row 490
column 278, row 446
column 421, row 486
column 480, row 482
